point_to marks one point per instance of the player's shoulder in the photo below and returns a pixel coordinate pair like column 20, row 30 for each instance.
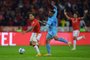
column 35, row 20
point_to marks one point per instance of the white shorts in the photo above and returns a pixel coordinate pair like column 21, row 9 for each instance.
column 35, row 37
column 76, row 33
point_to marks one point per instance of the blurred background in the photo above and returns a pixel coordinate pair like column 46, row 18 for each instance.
column 14, row 13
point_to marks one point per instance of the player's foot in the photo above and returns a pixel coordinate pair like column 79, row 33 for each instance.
column 73, row 49
column 47, row 55
column 69, row 43
column 38, row 55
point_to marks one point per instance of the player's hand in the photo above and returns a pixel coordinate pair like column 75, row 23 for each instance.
column 65, row 11
column 86, row 11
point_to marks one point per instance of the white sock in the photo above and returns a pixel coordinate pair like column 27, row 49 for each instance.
column 74, row 44
column 79, row 38
column 37, row 49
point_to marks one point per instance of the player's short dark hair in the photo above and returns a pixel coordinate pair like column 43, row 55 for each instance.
column 32, row 14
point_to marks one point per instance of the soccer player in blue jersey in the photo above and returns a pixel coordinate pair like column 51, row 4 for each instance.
column 51, row 25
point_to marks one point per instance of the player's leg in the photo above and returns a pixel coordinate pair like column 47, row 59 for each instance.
column 48, row 47
column 38, row 37
column 75, row 35
column 62, row 40
column 34, row 43
column 48, row 38
column 37, row 43
column 74, row 43
column 31, row 39
column 80, row 37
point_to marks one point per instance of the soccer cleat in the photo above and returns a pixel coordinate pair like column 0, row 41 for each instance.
column 39, row 55
column 47, row 55
column 69, row 43
column 73, row 49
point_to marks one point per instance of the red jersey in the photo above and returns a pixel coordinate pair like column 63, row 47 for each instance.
column 36, row 26
column 75, row 23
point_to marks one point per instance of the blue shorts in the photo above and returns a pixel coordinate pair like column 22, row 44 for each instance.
column 49, row 36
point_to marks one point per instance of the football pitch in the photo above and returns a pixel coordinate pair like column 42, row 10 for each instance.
column 58, row 53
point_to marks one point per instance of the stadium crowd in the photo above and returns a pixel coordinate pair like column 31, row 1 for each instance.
column 15, row 12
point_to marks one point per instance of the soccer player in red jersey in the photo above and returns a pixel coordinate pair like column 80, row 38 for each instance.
column 35, row 28
column 76, row 27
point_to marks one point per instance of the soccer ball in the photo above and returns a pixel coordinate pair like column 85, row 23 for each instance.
column 21, row 50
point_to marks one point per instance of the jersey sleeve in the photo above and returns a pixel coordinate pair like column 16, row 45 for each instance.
column 47, row 25
column 33, row 23
column 48, row 22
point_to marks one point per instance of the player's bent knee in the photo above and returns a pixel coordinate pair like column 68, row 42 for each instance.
column 56, row 38
column 47, row 41
column 30, row 43
column 75, row 38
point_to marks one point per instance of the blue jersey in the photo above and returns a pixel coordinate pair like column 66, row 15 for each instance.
column 52, row 23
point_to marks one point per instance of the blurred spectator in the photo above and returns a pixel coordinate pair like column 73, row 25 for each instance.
column 63, row 23
column 14, row 12
column 83, row 26
column 67, row 25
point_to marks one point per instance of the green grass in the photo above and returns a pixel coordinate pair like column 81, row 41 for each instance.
column 58, row 53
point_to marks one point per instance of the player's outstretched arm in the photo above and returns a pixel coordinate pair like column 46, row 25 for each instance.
column 85, row 12
column 55, row 8
column 30, row 29
column 53, row 4
column 45, row 28
column 65, row 13
column 47, row 25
